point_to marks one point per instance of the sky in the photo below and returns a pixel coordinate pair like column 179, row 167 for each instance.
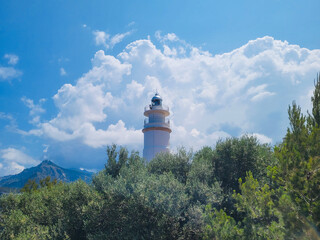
column 75, row 75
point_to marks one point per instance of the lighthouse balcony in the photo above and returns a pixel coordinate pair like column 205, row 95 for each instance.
column 156, row 107
column 148, row 124
column 149, row 109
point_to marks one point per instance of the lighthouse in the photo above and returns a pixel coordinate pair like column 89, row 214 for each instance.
column 156, row 128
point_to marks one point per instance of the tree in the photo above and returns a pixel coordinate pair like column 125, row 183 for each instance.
column 298, row 170
column 262, row 219
column 314, row 117
column 178, row 164
column 49, row 212
column 220, row 226
column 118, row 159
column 138, row 205
column 267, row 213
column 202, row 186
column 114, row 163
column 30, row 186
column 235, row 156
column 202, row 166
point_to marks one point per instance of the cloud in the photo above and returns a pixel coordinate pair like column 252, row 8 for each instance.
column 63, row 60
column 131, row 24
column 168, row 37
column 261, row 96
column 46, row 147
column 247, row 89
column 6, row 116
column 261, row 138
column 134, row 90
column 104, row 39
column 12, row 126
column 7, row 73
column 118, row 38
column 259, row 92
column 168, row 51
column 194, row 138
column 14, row 161
column 101, row 38
column 9, row 118
column 84, row 104
column 12, row 58
column 89, row 170
column 35, row 109
column 63, row 72
column 115, row 133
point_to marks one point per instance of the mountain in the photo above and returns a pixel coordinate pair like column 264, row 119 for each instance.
column 44, row 169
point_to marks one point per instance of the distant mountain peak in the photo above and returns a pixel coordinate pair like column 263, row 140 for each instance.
column 48, row 162
column 44, row 169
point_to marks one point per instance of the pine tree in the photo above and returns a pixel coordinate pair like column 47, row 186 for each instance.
column 299, row 158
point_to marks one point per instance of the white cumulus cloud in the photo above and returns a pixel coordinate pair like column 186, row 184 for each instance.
column 210, row 96
column 13, row 161
column 101, row 37
column 134, row 90
column 85, row 104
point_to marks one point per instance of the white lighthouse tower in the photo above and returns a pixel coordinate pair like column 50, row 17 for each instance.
column 156, row 128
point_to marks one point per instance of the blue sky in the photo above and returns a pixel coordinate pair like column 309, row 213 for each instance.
column 75, row 75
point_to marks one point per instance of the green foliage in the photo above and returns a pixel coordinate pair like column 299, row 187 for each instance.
column 314, row 117
column 259, row 206
column 157, row 200
column 113, row 164
column 262, row 218
column 298, row 170
column 202, row 186
column 220, row 226
column 54, row 212
column 267, row 214
column 32, row 185
column 235, row 156
column 46, row 182
column 129, row 199
column 178, row 164
column 116, row 160
column 202, row 168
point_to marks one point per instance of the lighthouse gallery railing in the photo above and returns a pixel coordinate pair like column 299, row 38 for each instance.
column 160, row 107
column 148, row 124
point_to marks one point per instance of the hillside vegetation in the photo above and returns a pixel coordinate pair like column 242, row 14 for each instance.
column 238, row 189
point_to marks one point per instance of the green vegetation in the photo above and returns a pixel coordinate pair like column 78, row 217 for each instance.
column 240, row 189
